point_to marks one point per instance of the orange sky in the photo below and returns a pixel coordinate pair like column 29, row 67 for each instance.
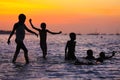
column 84, row 16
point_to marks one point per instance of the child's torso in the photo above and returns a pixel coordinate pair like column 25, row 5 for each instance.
column 43, row 35
column 71, row 46
column 20, row 31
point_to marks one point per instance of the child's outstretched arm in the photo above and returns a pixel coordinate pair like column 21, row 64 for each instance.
column 31, row 31
column 54, row 32
column 30, row 20
column 113, row 54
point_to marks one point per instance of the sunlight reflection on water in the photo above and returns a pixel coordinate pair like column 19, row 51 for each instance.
column 55, row 68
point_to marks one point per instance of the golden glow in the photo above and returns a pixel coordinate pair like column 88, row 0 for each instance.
column 61, row 12
column 62, row 6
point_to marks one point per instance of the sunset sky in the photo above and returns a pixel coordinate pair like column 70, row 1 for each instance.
column 80, row 16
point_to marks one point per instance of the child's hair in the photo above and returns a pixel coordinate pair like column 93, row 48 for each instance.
column 22, row 17
column 72, row 35
column 43, row 25
column 102, row 54
column 89, row 52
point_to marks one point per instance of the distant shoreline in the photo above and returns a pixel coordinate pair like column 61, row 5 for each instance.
column 4, row 32
column 8, row 32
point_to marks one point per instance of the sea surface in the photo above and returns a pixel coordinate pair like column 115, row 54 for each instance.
column 55, row 67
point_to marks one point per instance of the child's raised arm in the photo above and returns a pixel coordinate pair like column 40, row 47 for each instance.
column 30, row 20
column 31, row 31
column 113, row 54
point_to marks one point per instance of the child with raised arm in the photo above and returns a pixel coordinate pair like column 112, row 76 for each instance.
column 70, row 47
column 20, row 28
column 98, row 60
column 43, row 36
column 103, row 57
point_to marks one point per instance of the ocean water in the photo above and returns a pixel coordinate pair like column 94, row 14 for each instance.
column 55, row 67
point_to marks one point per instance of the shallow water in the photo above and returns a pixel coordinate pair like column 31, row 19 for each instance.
column 55, row 68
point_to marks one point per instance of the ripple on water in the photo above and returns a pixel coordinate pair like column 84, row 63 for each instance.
column 55, row 68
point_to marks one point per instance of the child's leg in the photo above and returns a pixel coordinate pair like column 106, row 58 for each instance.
column 44, row 49
column 16, row 53
column 44, row 52
column 25, row 52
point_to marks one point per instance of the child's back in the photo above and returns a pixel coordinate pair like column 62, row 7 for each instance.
column 70, row 48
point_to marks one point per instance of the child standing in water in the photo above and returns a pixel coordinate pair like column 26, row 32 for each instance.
column 43, row 36
column 70, row 47
column 20, row 28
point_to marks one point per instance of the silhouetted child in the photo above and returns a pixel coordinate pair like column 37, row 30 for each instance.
column 90, row 58
column 43, row 36
column 70, row 47
column 20, row 28
column 90, row 55
column 102, row 57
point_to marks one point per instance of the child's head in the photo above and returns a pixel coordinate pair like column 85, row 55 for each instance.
column 72, row 36
column 22, row 18
column 43, row 25
column 102, row 54
column 89, row 52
